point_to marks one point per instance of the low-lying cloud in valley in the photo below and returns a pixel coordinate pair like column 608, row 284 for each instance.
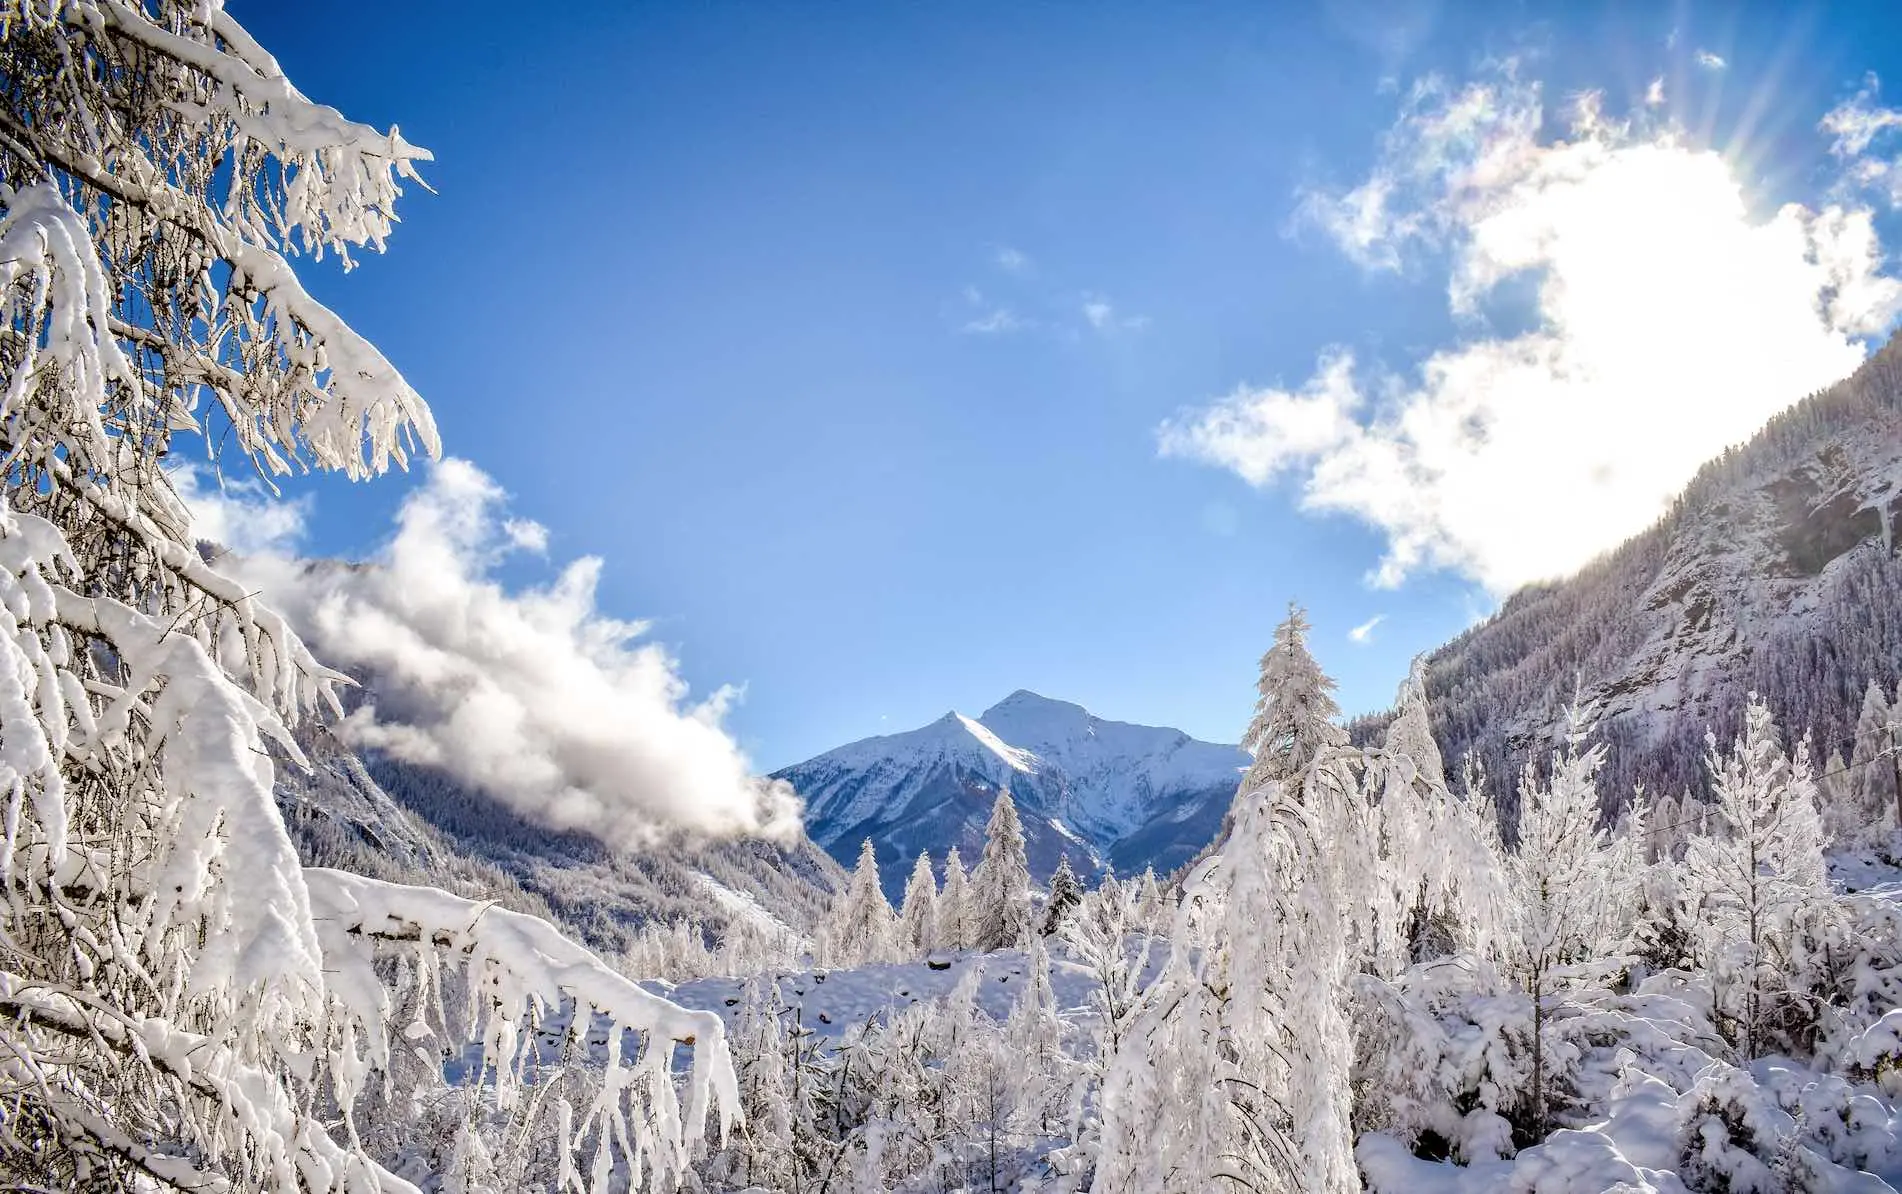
column 533, row 697
column 1670, row 322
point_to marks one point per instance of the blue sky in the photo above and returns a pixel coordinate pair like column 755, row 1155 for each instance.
column 846, row 337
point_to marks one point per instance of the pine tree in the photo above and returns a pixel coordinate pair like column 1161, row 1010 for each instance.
column 864, row 929
column 1224, row 1080
column 1756, row 883
column 918, row 919
column 1065, row 891
column 1294, row 727
column 1296, row 743
column 1153, row 914
column 1871, row 780
column 1001, row 889
column 955, row 928
column 1439, row 886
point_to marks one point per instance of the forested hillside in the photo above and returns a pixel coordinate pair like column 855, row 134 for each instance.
column 1776, row 572
column 406, row 823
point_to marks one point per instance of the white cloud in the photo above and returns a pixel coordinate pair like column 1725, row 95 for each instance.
column 1012, row 261
column 1654, row 94
column 998, row 321
column 1855, row 127
column 1711, row 61
column 534, row 696
column 239, row 515
column 1364, row 633
column 1670, row 323
column 1102, row 316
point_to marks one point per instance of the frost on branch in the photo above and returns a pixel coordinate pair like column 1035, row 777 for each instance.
column 178, row 1013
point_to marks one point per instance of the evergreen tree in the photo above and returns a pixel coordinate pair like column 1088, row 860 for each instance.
column 1153, row 913
column 1294, row 726
column 1296, row 743
column 1755, row 884
column 1001, row 889
column 1224, row 1080
column 918, row 919
column 1065, row 891
column 1438, row 887
column 954, row 905
column 1871, row 780
column 864, row 928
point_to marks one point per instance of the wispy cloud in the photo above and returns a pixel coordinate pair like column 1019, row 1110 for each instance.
column 1654, row 94
column 1859, row 127
column 1101, row 315
column 1711, row 61
column 532, row 696
column 1662, row 304
column 1364, row 633
column 996, row 322
column 1051, row 307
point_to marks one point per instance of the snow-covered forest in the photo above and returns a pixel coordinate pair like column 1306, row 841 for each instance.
column 235, row 955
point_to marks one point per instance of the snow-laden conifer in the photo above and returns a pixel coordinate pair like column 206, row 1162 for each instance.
column 1870, row 783
column 1000, row 891
column 918, row 917
column 1065, row 891
column 955, row 924
column 1438, row 885
column 864, row 929
column 1239, row 1072
column 1295, row 724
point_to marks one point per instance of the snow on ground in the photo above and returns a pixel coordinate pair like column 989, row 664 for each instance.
column 1864, row 873
column 831, row 1001
column 744, row 907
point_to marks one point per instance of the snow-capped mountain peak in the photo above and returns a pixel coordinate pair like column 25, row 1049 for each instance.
column 1103, row 792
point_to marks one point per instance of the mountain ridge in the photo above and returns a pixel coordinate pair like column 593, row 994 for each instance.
column 1106, row 793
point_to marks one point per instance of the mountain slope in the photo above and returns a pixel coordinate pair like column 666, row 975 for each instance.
column 1775, row 571
column 390, row 820
column 1103, row 792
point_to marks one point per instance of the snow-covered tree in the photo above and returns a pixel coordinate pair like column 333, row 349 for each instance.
column 918, row 918
column 1438, row 885
column 187, row 1006
column 1033, row 1034
column 1239, row 1073
column 1000, row 891
column 864, row 928
column 1869, row 796
column 1756, row 883
column 955, row 925
column 1106, row 938
column 1295, row 724
column 1153, row 911
column 1571, row 890
column 1065, row 891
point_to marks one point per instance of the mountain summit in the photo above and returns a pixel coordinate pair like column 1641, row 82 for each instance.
column 1103, row 792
